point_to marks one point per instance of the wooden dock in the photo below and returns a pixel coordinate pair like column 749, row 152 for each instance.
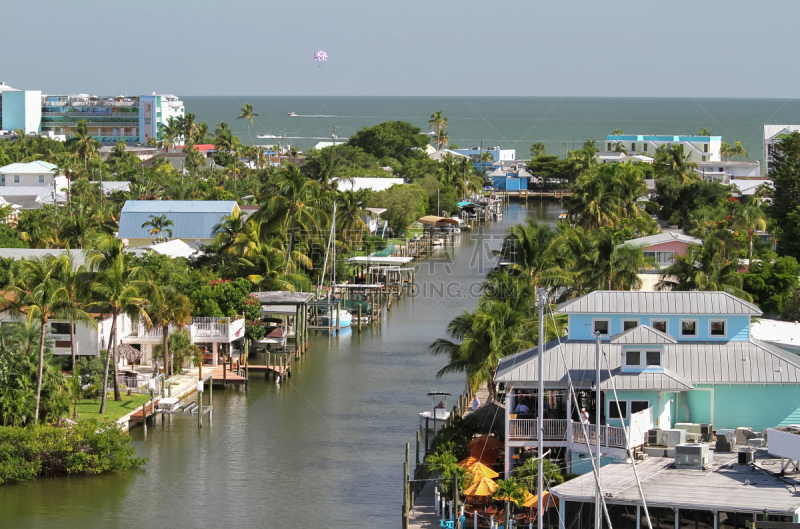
column 147, row 409
column 279, row 370
column 223, row 375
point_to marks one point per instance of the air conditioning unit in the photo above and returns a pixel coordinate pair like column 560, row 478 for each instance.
column 672, row 437
column 725, row 440
column 691, row 456
column 744, row 434
column 706, row 432
column 653, row 436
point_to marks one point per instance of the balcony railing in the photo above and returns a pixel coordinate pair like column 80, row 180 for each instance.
column 125, row 115
column 199, row 329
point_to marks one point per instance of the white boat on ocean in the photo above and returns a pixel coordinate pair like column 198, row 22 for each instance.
column 294, row 115
column 262, row 136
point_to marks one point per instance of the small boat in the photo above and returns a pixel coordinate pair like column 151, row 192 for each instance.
column 438, row 242
column 266, row 136
column 292, row 114
column 345, row 319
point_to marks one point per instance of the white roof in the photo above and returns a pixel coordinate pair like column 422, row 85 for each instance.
column 771, row 131
column 661, row 238
column 44, row 192
column 321, row 145
column 173, row 248
column 749, row 187
column 438, row 155
column 37, row 167
column 373, row 184
column 783, row 334
column 369, row 260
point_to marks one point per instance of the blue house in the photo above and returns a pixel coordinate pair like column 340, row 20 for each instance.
column 510, row 178
column 671, row 357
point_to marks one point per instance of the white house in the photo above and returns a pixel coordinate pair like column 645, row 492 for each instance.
column 772, row 135
column 702, row 148
column 36, row 173
column 727, row 171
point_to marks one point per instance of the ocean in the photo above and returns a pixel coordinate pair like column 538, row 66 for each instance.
column 508, row 122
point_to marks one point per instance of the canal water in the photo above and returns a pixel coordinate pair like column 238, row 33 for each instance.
column 324, row 449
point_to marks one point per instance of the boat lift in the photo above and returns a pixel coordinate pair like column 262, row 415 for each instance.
column 171, row 405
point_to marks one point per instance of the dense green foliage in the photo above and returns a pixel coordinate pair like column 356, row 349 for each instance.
column 785, row 210
column 772, row 281
column 45, row 450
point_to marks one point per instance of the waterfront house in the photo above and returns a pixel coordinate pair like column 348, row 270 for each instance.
column 774, row 134
column 702, row 148
column 663, row 247
column 193, row 220
column 672, row 357
column 513, row 177
column 621, row 157
column 29, row 174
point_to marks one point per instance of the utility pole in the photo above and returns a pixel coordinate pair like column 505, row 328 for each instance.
column 540, row 413
column 598, row 509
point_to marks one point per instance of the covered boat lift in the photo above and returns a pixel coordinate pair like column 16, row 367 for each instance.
column 293, row 305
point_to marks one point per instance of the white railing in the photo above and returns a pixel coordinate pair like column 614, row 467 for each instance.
column 554, row 429
column 199, row 328
column 563, row 430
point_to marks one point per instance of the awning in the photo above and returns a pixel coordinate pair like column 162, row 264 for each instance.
column 432, row 220
column 376, row 211
column 279, row 309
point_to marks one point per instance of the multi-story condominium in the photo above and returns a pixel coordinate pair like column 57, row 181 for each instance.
column 702, row 148
column 773, row 134
column 110, row 119
column 20, row 109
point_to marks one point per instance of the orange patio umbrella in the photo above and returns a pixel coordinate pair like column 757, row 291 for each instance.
column 486, row 459
column 533, row 501
column 481, row 487
column 478, row 469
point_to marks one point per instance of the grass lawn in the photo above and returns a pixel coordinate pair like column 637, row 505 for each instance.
column 410, row 232
column 88, row 409
column 397, row 241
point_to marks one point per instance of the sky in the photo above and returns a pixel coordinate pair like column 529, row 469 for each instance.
column 563, row 48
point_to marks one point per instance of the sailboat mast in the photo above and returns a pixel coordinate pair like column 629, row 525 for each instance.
column 540, row 414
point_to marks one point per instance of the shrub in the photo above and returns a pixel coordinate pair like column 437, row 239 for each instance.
column 46, row 450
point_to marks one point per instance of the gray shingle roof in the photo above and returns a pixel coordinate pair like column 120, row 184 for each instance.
column 623, row 302
column 642, row 334
column 660, row 238
column 732, row 362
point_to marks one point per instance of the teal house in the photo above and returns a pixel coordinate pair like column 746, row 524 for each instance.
column 666, row 358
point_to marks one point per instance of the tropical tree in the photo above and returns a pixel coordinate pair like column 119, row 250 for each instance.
column 349, row 208
column 594, row 204
column 528, row 248
column 679, row 165
column 168, row 307
column 738, row 150
column 725, row 150
column 66, row 164
column 528, row 474
column 510, row 491
column 76, row 283
column 171, row 131
column 538, row 149
column 117, row 289
column 704, row 132
column 439, row 123
column 247, row 113
column 750, row 218
column 610, row 265
column 618, row 132
column 82, row 144
column 159, row 224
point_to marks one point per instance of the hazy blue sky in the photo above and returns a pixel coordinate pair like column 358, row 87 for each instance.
column 650, row 48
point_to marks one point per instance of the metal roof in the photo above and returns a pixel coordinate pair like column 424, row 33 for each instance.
column 283, row 297
column 44, row 192
column 671, row 302
column 723, row 487
column 661, row 238
column 732, row 362
column 643, row 334
column 192, row 219
column 36, row 167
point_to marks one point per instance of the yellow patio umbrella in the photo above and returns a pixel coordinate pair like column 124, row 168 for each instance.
column 481, row 487
column 533, row 501
column 486, row 459
column 478, row 469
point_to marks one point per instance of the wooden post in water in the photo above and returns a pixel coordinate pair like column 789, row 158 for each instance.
column 200, row 405
column 405, row 491
column 359, row 317
column 416, row 467
column 224, row 375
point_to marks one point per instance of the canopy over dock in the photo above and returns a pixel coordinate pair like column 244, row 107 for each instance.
column 437, row 222
column 372, row 260
column 289, row 304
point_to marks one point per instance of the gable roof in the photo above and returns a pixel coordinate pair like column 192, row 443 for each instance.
column 643, row 334
column 44, row 192
column 670, row 302
column 36, row 167
column 661, row 238
column 192, row 219
column 734, row 362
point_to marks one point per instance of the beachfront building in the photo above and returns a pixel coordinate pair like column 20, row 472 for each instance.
column 498, row 154
column 20, row 109
column 662, row 248
column 672, row 357
column 508, row 176
column 193, row 221
column 155, row 111
column 621, row 157
column 37, row 173
column 702, row 148
column 727, row 171
column 773, row 134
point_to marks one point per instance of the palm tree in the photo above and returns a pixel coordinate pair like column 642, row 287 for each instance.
column 158, row 225
column 629, row 187
column 704, row 132
column 168, row 307
column 618, row 132
column 750, row 218
column 292, row 206
column 681, row 166
column 704, row 268
column 438, row 122
column 611, row 266
column 75, row 391
column 266, row 267
column 226, row 231
column 593, row 203
column 36, row 293
column 76, row 282
column 509, row 490
column 247, row 113
column 117, row 289
column 66, row 165
column 725, row 150
column 82, row 143
column 528, row 248
column 738, row 150
column 171, row 131
column 349, row 209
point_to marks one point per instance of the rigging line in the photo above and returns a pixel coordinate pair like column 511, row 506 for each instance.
column 627, row 439
column 595, row 467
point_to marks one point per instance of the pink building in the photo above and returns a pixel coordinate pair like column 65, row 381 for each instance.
column 663, row 247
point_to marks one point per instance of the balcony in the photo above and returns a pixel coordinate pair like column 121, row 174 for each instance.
column 201, row 330
column 87, row 115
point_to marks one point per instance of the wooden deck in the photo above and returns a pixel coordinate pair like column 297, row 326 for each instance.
column 147, row 408
column 280, row 370
column 223, row 375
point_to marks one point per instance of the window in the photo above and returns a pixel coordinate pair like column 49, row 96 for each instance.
column 705, row 147
column 633, row 146
column 2, row 179
column 633, row 358
column 41, row 179
column 644, row 147
column 717, row 328
column 610, row 148
column 654, row 358
column 16, row 179
column 688, row 327
column 659, row 325
column 617, row 413
column 629, row 324
column 600, row 326
column 639, row 405
column 59, row 328
column 704, row 159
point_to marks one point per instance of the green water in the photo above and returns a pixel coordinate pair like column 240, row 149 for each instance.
column 510, row 122
column 324, row 449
